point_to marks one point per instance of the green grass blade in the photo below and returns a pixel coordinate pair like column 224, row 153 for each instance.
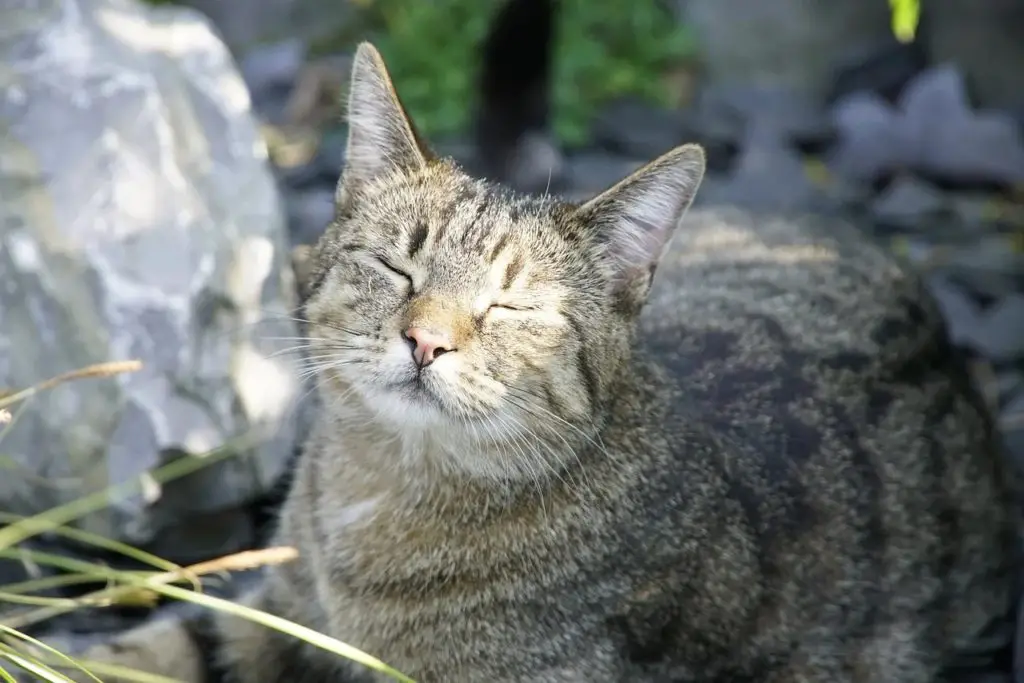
column 47, row 582
column 284, row 626
column 37, row 600
column 41, row 670
column 61, row 515
column 125, row 673
column 13, row 633
column 98, row 541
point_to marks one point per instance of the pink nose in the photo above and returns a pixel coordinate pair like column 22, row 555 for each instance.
column 427, row 345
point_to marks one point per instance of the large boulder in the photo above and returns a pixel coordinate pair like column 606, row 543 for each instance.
column 139, row 219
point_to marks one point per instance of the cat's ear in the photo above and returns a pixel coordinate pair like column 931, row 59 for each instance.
column 636, row 218
column 381, row 137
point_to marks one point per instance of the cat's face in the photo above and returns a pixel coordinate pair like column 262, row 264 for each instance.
column 443, row 303
column 452, row 304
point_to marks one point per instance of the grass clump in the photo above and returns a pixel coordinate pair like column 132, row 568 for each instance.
column 22, row 606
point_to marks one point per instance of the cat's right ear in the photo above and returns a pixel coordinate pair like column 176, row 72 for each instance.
column 636, row 218
column 381, row 137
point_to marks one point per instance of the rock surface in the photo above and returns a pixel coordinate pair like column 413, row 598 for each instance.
column 795, row 43
column 138, row 220
column 932, row 130
column 245, row 24
column 986, row 38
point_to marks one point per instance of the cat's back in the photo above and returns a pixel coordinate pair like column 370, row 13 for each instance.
column 812, row 283
column 855, row 457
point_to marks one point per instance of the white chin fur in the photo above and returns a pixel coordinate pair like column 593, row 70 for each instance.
column 396, row 405
column 405, row 411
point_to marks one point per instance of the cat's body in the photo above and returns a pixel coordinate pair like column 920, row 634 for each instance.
column 775, row 471
column 794, row 484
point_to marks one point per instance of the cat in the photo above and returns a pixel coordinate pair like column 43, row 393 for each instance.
column 620, row 440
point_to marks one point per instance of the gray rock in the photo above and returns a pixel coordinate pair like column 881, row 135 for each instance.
column 988, row 266
column 14, row 571
column 786, row 42
column 779, row 110
column 638, row 129
column 588, row 173
column 883, row 69
column 952, row 141
column 330, row 155
column 222, row 531
column 245, row 24
column 973, row 210
column 273, row 67
column 309, row 213
column 138, row 219
column 1001, row 334
column 932, row 131
column 322, row 170
column 961, row 313
column 986, row 39
column 910, row 204
column 536, row 165
column 720, row 133
column 869, row 144
column 768, row 175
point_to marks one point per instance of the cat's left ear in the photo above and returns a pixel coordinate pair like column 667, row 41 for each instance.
column 636, row 218
column 382, row 139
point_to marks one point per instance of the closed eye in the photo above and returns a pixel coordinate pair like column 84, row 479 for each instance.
column 396, row 271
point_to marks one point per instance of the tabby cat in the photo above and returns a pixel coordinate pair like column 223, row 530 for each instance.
column 571, row 443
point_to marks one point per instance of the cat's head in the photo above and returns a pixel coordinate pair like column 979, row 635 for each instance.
column 445, row 304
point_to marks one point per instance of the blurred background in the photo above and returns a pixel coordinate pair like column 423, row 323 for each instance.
column 159, row 160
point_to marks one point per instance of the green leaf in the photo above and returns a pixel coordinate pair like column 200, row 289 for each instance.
column 905, row 16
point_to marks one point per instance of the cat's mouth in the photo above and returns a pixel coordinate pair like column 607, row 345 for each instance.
column 417, row 390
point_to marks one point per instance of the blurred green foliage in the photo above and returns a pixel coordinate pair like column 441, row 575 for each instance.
column 604, row 49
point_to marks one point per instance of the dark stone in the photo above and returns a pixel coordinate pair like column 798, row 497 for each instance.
column 15, row 571
column 270, row 72
column 300, row 176
column 638, row 129
column 910, row 204
column 768, row 175
column 961, row 313
column 720, row 135
column 933, row 132
column 869, row 147
column 320, row 171
column 954, row 143
column 987, row 267
column 588, row 173
column 309, row 212
column 884, row 69
column 1001, row 334
column 276, row 65
column 789, row 114
column 330, row 155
